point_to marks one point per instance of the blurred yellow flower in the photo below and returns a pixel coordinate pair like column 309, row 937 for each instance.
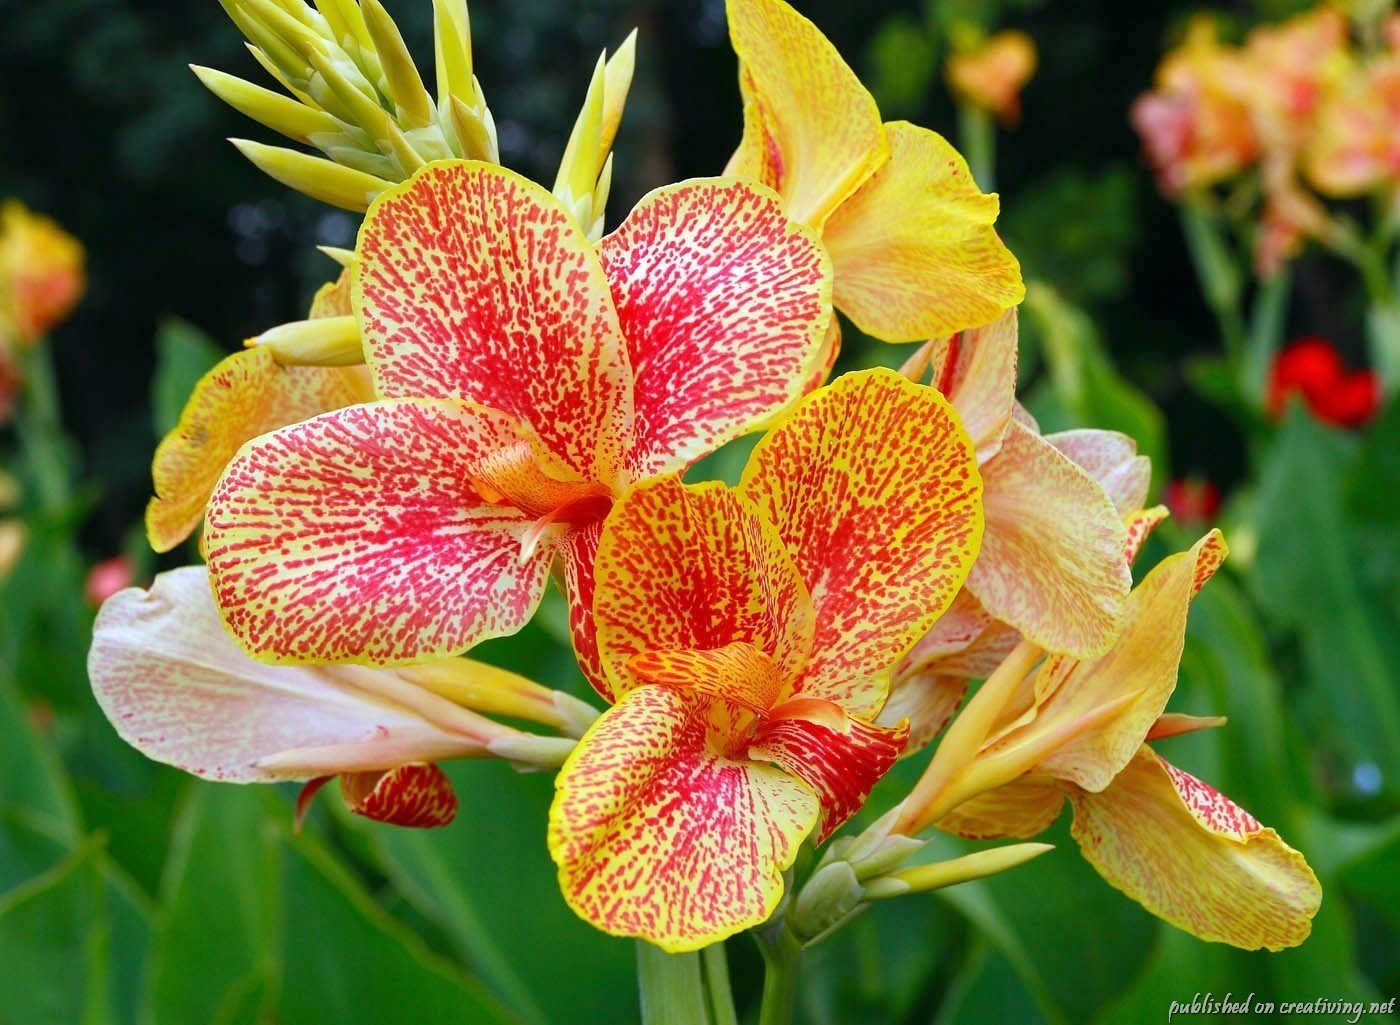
column 41, row 273
column 992, row 75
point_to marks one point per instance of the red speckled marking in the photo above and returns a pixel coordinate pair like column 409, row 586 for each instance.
column 873, row 486
column 473, row 283
column 724, row 303
column 737, row 672
column 1140, row 527
column 1210, row 553
column 417, row 795
column 358, row 536
column 657, row 835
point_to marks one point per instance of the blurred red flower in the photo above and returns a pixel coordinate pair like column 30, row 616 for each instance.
column 1313, row 369
column 1192, row 500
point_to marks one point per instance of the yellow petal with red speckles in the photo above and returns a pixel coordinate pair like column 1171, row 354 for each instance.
column 805, row 107
column 246, row 395
column 416, row 795
column 690, row 568
column 473, row 283
column 724, row 303
column 358, row 536
column 737, row 672
column 1191, row 856
column 915, row 251
column 1052, row 562
column 1022, row 809
column 976, row 370
column 873, row 485
column 658, row 834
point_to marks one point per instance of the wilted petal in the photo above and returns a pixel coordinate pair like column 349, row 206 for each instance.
column 359, row 536
column 873, row 485
column 1191, row 856
column 695, row 568
column 807, row 119
column 176, row 686
column 658, row 835
column 976, row 370
column 915, row 252
column 417, row 795
column 246, row 395
column 724, row 303
column 1111, row 459
column 1052, row 562
column 1022, row 809
column 474, row 283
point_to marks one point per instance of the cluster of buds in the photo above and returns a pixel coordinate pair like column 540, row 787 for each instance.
column 494, row 393
column 1299, row 104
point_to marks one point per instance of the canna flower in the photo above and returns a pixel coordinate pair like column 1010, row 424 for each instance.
column 1356, row 148
column 176, row 686
column 246, row 395
column 526, row 378
column 41, row 274
column 910, row 234
column 1034, row 737
column 1291, row 67
column 992, row 76
column 747, row 636
column 1312, row 369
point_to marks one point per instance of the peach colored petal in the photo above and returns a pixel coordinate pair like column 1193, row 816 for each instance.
column 1023, row 809
column 1112, row 460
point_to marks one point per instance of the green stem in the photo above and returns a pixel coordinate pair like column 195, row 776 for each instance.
column 1266, row 327
column 39, row 426
column 977, row 133
column 1383, row 314
column 1218, row 275
column 715, row 967
column 781, row 957
column 672, row 988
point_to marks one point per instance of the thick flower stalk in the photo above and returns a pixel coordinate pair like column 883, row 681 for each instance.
column 526, row 377
column 1044, row 729
column 747, row 636
column 910, row 234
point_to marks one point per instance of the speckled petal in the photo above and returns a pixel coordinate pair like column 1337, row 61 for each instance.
column 976, row 370
column 358, row 536
column 738, row 673
column 474, row 283
column 915, row 252
column 1111, row 459
column 873, row 485
column 246, row 395
column 417, row 795
column 808, row 121
column 1052, row 562
column 1022, row 809
column 693, row 568
column 724, row 303
column 177, row 687
column 657, row 835
column 578, row 555
column 1191, row 856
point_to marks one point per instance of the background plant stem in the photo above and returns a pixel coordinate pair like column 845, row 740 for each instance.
column 672, row 987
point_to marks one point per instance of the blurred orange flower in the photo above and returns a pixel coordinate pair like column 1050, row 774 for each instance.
column 41, row 273
column 992, row 75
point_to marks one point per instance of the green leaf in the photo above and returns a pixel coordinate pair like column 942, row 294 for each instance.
column 987, row 989
column 902, row 59
column 346, row 961
column 31, row 778
column 1375, row 479
column 184, row 354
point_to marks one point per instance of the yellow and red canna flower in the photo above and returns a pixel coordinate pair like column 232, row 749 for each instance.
column 41, row 273
column 909, row 232
column 1035, row 737
column 992, row 75
column 176, row 686
column 526, row 377
column 748, row 635
column 1356, row 147
column 1292, row 66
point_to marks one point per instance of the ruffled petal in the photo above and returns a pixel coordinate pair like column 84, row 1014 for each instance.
column 724, row 303
column 358, row 536
column 177, row 687
column 915, row 252
column 1052, row 562
column 841, row 757
column 691, row 568
column 976, row 370
column 873, row 485
column 246, row 395
column 1112, row 460
column 659, row 836
column 474, row 283
column 808, row 122
column 1022, row 809
column 1191, row 856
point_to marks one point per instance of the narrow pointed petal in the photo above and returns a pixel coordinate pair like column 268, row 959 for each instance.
column 246, row 395
column 976, row 370
column 1176, row 724
column 841, row 759
column 873, row 485
column 1140, row 526
column 915, row 252
column 1052, row 562
column 725, row 303
column 1191, row 856
column 357, row 536
column 177, row 687
column 693, row 568
column 656, row 835
column 819, row 123
column 1111, row 459
column 417, row 795
column 1022, row 809
column 474, row 283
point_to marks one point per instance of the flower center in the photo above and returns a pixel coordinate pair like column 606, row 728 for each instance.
column 556, row 497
